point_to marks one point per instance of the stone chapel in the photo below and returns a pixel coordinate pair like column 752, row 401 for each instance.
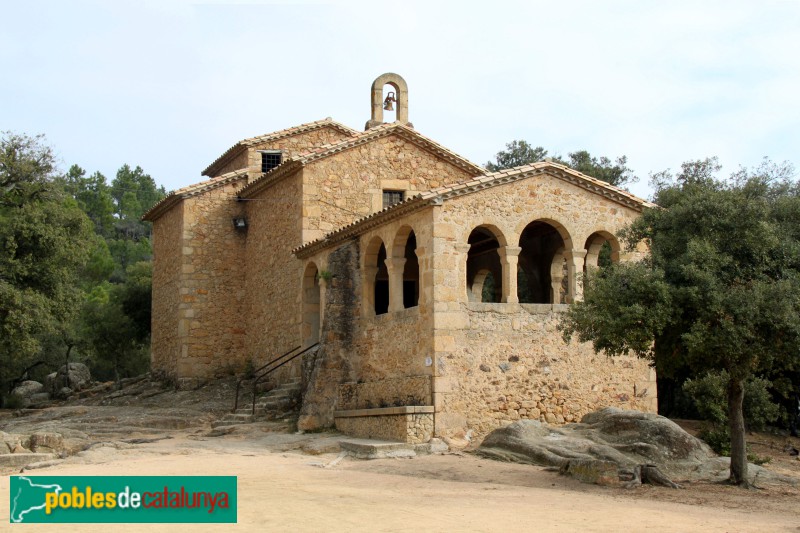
column 429, row 287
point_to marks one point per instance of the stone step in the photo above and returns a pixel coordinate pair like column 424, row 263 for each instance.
column 238, row 417
column 381, row 449
column 20, row 460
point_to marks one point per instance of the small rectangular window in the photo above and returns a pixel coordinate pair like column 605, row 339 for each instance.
column 270, row 160
column 392, row 197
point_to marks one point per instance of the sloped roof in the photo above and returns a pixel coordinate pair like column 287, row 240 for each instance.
column 192, row 190
column 288, row 132
column 327, row 150
column 439, row 195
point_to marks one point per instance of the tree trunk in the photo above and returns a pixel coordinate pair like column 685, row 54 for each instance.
column 736, row 425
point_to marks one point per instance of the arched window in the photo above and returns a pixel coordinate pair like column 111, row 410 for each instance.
column 539, row 278
column 483, row 262
column 405, row 247
column 602, row 249
column 312, row 309
column 381, row 295
column 411, row 273
column 376, row 279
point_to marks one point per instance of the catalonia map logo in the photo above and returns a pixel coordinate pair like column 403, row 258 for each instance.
column 122, row 499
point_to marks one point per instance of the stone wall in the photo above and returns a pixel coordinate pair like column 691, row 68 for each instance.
column 211, row 323
column 495, row 363
column 384, row 359
column 165, row 348
column 387, row 392
column 413, row 428
column 274, row 276
column 509, row 362
column 332, row 364
column 344, row 186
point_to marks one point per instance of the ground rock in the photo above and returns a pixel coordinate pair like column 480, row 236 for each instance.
column 46, row 442
column 626, row 439
column 78, row 374
column 39, row 398
column 26, row 389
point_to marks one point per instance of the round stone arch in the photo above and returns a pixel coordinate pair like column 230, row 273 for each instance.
column 542, row 266
column 483, row 258
column 375, row 286
column 594, row 244
column 562, row 230
column 312, row 305
column 376, row 98
column 404, row 256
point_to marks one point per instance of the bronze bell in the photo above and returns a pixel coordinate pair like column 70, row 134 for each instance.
column 387, row 104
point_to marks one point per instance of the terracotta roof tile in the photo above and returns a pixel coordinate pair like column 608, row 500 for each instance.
column 474, row 185
column 288, row 132
column 177, row 195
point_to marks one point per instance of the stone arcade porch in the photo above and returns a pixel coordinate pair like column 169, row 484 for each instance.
column 454, row 312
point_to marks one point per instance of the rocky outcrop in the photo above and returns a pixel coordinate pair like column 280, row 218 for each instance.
column 30, row 393
column 612, row 446
column 74, row 377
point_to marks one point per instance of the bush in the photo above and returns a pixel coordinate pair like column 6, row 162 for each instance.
column 710, row 400
column 13, row 401
column 718, row 437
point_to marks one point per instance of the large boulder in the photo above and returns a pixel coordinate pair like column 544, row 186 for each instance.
column 627, row 439
column 25, row 390
column 76, row 377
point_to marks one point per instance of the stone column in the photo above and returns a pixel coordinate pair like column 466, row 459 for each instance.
column 509, row 256
column 462, row 253
column 395, row 265
column 575, row 271
column 368, row 290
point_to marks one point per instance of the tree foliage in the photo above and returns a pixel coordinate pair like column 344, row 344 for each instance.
column 518, row 153
column 75, row 267
column 44, row 238
column 720, row 290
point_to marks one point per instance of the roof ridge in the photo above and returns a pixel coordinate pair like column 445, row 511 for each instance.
column 386, row 129
column 279, row 134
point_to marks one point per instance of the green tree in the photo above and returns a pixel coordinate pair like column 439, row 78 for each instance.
column 44, row 243
column 720, row 290
column 111, row 335
column 93, row 195
column 614, row 172
column 519, row 153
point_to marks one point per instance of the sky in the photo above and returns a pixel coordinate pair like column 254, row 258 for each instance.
column 171, row 85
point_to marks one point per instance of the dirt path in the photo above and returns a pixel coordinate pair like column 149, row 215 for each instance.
column 288, row 491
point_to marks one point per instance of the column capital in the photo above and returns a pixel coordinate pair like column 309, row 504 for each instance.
column 395, row 263
column 462, row 247
column 509, row 251
column 574, row 254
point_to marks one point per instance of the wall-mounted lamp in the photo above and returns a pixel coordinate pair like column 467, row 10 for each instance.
column 240, row 223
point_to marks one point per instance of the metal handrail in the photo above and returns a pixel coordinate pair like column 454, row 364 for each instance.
column 263, row 371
